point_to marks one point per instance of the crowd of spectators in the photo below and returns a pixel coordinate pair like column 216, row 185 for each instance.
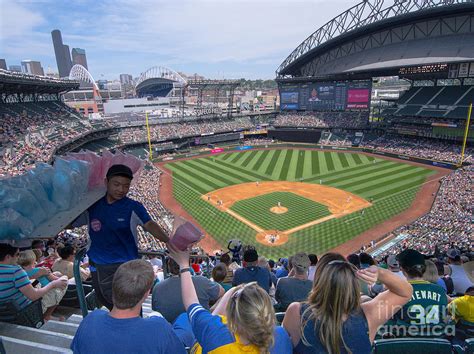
column 305, row 290
column 333, row 139
column 450, row 222
column 418, row 147
column 31, row 132
column 354, row 120
column 337, row 288
column 180, row 130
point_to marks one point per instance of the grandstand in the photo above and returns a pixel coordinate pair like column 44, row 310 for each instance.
column 404, row 169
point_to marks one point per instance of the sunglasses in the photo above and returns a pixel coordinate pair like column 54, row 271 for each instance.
column 237, row 293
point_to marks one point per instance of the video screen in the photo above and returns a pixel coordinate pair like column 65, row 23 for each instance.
column 289, row 97
column 358, row 98
column 325, row 96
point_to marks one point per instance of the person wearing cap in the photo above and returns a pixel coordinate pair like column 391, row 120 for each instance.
column 282, row 270
column 296, row 286
column 394, row 266
column 426, row 312
column 456, row 271
column 112, row 222
column 252, row 272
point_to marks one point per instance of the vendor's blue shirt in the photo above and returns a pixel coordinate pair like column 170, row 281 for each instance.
column 101, row 333
column 113, row 229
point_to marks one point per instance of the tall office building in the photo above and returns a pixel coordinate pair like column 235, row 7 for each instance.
column 63, row 58
column 32, row 67
column 16, row 68
column 67, row 54
column 79, row 57
column 125, row 79
column 3, row 64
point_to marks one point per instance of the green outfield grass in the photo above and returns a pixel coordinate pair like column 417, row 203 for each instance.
column 391, row 186
column 300, row 210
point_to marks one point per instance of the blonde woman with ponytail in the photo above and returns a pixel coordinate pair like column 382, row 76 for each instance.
column 242, row 322
column 333, row 319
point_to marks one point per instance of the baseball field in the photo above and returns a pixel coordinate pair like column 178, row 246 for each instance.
column 288, row 200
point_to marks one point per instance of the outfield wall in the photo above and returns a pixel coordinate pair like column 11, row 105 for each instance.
column 295, row 135
column 313, row 146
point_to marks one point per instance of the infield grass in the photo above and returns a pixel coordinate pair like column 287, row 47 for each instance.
column 300, row 210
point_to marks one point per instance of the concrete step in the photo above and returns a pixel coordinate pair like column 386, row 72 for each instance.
column 77, row 319
column 146, row 308
column 35, row 335
column 61, row 327
column 19, row 346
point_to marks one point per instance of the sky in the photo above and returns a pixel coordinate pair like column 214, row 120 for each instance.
column 216, row 38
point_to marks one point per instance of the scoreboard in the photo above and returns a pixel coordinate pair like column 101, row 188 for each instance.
column 325, row 96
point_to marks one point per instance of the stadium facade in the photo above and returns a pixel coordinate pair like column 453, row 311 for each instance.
column 158, row 81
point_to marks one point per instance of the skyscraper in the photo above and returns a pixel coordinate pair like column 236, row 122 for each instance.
column 67, row 54
column 3, row 64
column 79, row 57
column 125, row 79
column 32, row 67
column 15, row 68
column 63, row 58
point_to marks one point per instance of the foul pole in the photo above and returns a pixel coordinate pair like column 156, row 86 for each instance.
column 466, row 133
column 149, row 138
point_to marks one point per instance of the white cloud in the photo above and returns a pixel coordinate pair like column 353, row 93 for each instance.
column 17, row 20
column 187, row 34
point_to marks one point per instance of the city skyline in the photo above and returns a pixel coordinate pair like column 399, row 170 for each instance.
column 217, row 39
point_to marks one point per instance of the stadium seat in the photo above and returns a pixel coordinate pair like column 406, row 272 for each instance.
column 279, row 317
column 411, row 345
column 469, row 346
column 91, row 301
column 30, row 316
column 464, row 329
column 70, row 297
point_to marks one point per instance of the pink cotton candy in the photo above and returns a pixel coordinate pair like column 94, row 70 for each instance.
column 185, row 235
column 106, row 162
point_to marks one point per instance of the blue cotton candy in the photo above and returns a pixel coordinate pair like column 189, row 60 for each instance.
column 14, row 226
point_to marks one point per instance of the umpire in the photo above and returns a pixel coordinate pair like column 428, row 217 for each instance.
column 112, row 223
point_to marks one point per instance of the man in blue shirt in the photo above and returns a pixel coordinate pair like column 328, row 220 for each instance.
column 123, row 330
column 112, row 223
column 252, row 272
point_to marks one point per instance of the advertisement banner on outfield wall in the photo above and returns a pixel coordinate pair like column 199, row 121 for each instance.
column 245, row 147
column 416, row 159
column 216, row 151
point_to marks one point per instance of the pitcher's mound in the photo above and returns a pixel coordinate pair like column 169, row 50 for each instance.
column 272, row 238
column 279, row 210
